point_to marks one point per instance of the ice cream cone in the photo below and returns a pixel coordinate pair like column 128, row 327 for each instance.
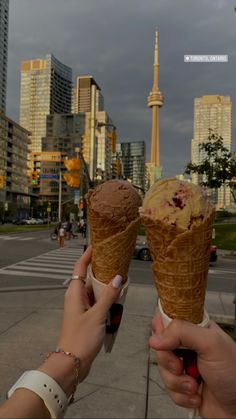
column 113, row 210
column 181, row 269
column 180, row 262
column 113, row 238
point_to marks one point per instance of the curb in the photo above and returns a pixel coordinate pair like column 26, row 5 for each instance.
column 222, row 318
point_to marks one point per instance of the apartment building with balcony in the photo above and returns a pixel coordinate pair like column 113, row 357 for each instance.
column 14, row 193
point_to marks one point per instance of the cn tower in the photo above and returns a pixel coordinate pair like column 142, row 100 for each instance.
column 155, row 101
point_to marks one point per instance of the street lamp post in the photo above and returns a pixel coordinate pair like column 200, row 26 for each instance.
column 59, row 198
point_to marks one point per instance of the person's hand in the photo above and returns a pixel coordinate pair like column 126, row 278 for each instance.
column 216, row 363
column 83, row 327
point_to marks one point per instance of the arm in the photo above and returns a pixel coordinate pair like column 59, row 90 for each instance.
column 216, row 363
column 82, row 334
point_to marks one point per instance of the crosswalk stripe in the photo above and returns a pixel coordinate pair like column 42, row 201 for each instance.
column 40, row 269
column 10, row 237
column 54, row 257
column 32, row 274
column 45, row 264
column 55, row 264
column 27, row 238
column 68, row 252
column 52, row 261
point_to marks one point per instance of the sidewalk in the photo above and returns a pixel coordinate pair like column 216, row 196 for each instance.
column 123, row 384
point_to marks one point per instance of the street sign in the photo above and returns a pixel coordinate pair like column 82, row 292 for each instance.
column 76, row 196
column 50, row 176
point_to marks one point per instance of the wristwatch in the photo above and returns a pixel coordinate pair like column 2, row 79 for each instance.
column 46, row 388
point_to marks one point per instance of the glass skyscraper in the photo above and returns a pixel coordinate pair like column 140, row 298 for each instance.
column 46, row 86
column 133, row 156
column 4, row 12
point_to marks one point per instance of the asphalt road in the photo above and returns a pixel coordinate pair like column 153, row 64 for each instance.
column 31, row 258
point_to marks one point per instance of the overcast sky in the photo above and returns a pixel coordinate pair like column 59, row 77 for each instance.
column 113, row 40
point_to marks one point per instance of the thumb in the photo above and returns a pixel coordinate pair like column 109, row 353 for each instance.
column 180, row 333
column 110, row 294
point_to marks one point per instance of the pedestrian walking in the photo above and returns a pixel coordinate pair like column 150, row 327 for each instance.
column 61, row 235
column 68, row 229
column 84, row 229
column 74, row 229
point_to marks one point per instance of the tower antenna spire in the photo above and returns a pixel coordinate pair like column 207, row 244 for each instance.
column 155, row 101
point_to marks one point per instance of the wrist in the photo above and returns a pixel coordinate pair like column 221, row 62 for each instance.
column 61, row 368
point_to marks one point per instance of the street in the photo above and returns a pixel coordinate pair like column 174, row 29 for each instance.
column 32, row 258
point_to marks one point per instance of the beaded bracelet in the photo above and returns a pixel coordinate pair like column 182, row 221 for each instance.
column 77, row 368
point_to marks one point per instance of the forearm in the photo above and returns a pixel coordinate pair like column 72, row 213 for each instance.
column 26, row 404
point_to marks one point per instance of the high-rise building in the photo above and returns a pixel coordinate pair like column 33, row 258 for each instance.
column 212, row 112
column 133, row 156
column 4, row 12
column 100, row 155
column 63, row 136
column 96, row 146
column 46, row 86
column 82, row 95
column 14, row 190
column 155, row 101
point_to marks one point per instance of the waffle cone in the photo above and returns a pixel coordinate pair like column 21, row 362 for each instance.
column 111, row 256
column 180, row 266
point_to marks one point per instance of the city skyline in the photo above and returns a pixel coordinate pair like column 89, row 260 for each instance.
column 114, row 43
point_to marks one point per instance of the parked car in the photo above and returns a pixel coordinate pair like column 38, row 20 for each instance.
column 31, row 221
column 19, row 221
column 142, row 252
column 213, row 254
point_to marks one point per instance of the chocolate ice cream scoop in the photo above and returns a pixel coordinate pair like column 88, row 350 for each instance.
column 115, row 202
column 113, row 209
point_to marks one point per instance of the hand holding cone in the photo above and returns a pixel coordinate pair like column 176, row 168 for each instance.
column 113, row 209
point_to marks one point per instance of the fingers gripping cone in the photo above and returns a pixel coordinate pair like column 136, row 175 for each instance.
column 113, row 240
column 111, row 257
column 115, row 313
column 178, row 219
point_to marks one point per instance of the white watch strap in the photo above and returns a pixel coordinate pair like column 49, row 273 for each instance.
column 46, row 388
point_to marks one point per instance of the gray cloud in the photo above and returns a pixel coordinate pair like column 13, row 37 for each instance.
column 113, row 41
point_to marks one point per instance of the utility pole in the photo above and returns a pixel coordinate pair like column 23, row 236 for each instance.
column 93, row 147
column 59, row 199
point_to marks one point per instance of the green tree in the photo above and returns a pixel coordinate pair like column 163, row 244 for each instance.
column 217, row 167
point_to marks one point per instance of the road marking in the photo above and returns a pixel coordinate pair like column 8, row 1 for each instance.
column 59, row 257
column 32, row 274
column 9, row 237
column 221, row 271
column 41, row 269
column 45, row 264
column 53, row 265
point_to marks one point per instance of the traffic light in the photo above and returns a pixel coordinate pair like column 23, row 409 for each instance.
column 72, row 164
column 72, row 179
column 81, row 203
column 34, row 178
